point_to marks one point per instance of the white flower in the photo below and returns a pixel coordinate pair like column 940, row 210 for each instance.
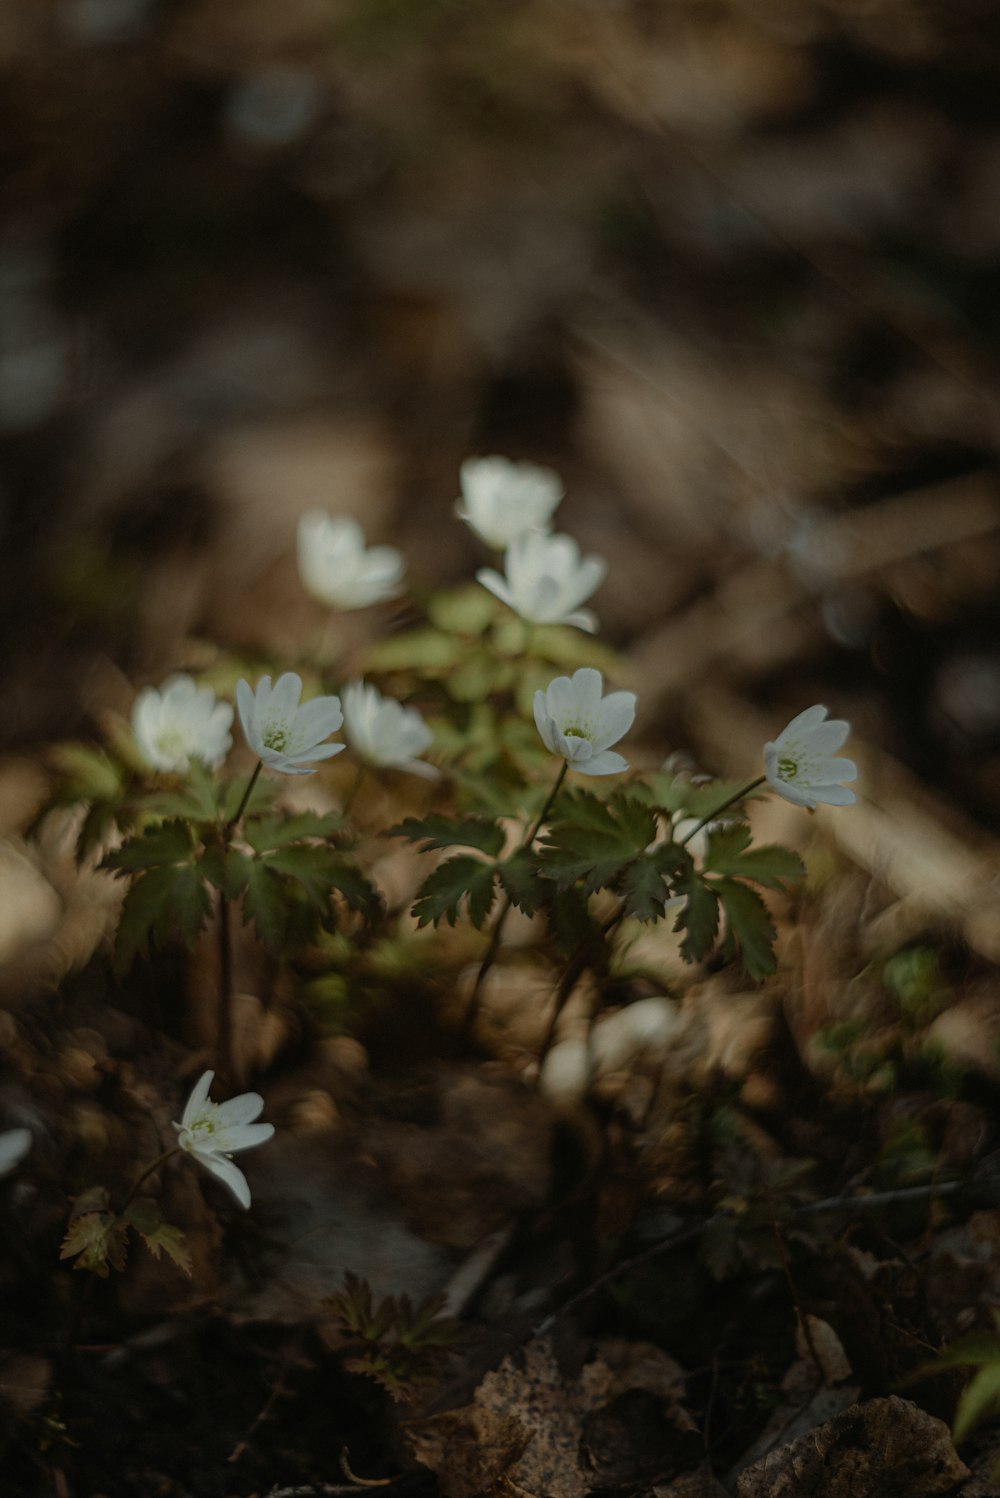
column 14, row 1145
column 575, row 721
column 213, row 1132
column 503, row 499
column 280, row 731
column 546, row 580
column 336, row 568
column 385, row 732
column 800, row 766
column 181, row 722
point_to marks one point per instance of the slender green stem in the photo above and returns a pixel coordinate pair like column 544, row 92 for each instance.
column 224, row 1026
column 729, row 801
column 475, row 998
column 144, row 1175
column 355, row 787
column 228, row 828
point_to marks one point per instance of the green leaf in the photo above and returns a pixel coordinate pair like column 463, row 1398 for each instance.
column 593, row 840
column 170, row 842
column 145, row 913
column 463, row 611
column 459, row 879
column 89, row 774
column 190, row 903
column 197, row 801
column 699, row 916
column 319, row 868
column 980, row 1400
column 237, row 873
column 748, row 926
column 429, row 651
column 682, row 797
column 729, row 853
column 573, row 927
column 95, row 1237
column 266, row 834
column 212, row 865
column 519, row 877
column 158, row 1236
column 264, row 903
column 444, row 832
column 644, row 890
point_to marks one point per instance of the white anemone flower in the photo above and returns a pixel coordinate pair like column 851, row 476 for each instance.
column 213, row 1132
column 801, row 765
column 546, row 580
column 179, row 722
column 501, row 500
column 283, row 732
column 384, row 732
column 576, row 721
column 336, row 567
column 14, row 1145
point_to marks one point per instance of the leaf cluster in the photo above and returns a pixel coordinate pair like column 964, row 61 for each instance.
column 401, row 1344
column 285, row 873
column 97, row 1237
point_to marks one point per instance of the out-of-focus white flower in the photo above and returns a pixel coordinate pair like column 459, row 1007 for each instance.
column 282, row 732
column 14, row 1145
column 501, row 500
column 384, row 732
column 213, row 1132
column 337, row 568
column 179, row 722
column 575, row 721
column 546, row 580
column 801, row 765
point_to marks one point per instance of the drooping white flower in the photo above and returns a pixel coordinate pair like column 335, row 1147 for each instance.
column 179, row 722
column 336, row 567
column 283, row 732
column 384, row 732
column 501, row 500
column 576, row 721
column 213, row 1132
column 801, row 765
column 14, row 1145
column 546, row 580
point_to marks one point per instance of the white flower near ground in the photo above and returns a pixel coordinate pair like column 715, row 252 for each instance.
column 14, row 1145
column 384, row 732
column 801, row 763
column 501, row 500
column 337, row 568
column 179, row 722
column 283, row 732
column 547, row 580
column 214, row 1132
column 576, row 721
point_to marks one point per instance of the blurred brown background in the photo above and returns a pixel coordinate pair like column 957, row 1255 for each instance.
column 730, row 267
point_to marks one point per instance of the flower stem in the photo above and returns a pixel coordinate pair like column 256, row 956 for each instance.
column 574, row 970
column 729, row 801
column 348, row 801
column 475, row 998
column 228, row 828
column 144, row 1175
column 224, row 1026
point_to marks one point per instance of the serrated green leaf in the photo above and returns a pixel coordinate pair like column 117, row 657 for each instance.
column 212, row 865
column 728, row 852
column 643, row 889
column 197, row 800
column 267, row 834
column 573, row 927
column 699, row 916
column 237, row 873
column 457, row 880
column 446, row 832
column 317, row 867
column 980, row 1400
column 168, row 843
column 190, row 903
column 264, row 903
column 158, row 1236
column 594, row 840
column 749, row 925
column 145, row 912
column 520, row 879
column 95, row 1238
column 681, row 797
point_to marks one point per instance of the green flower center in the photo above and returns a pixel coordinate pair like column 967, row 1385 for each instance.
column 788, row 768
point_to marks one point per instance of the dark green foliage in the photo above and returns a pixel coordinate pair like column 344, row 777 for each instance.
column 446, row 832
column 401, row 1345
column 458, row 879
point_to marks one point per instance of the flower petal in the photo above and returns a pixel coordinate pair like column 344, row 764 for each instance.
column 229, row 1174
column 607, row 762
